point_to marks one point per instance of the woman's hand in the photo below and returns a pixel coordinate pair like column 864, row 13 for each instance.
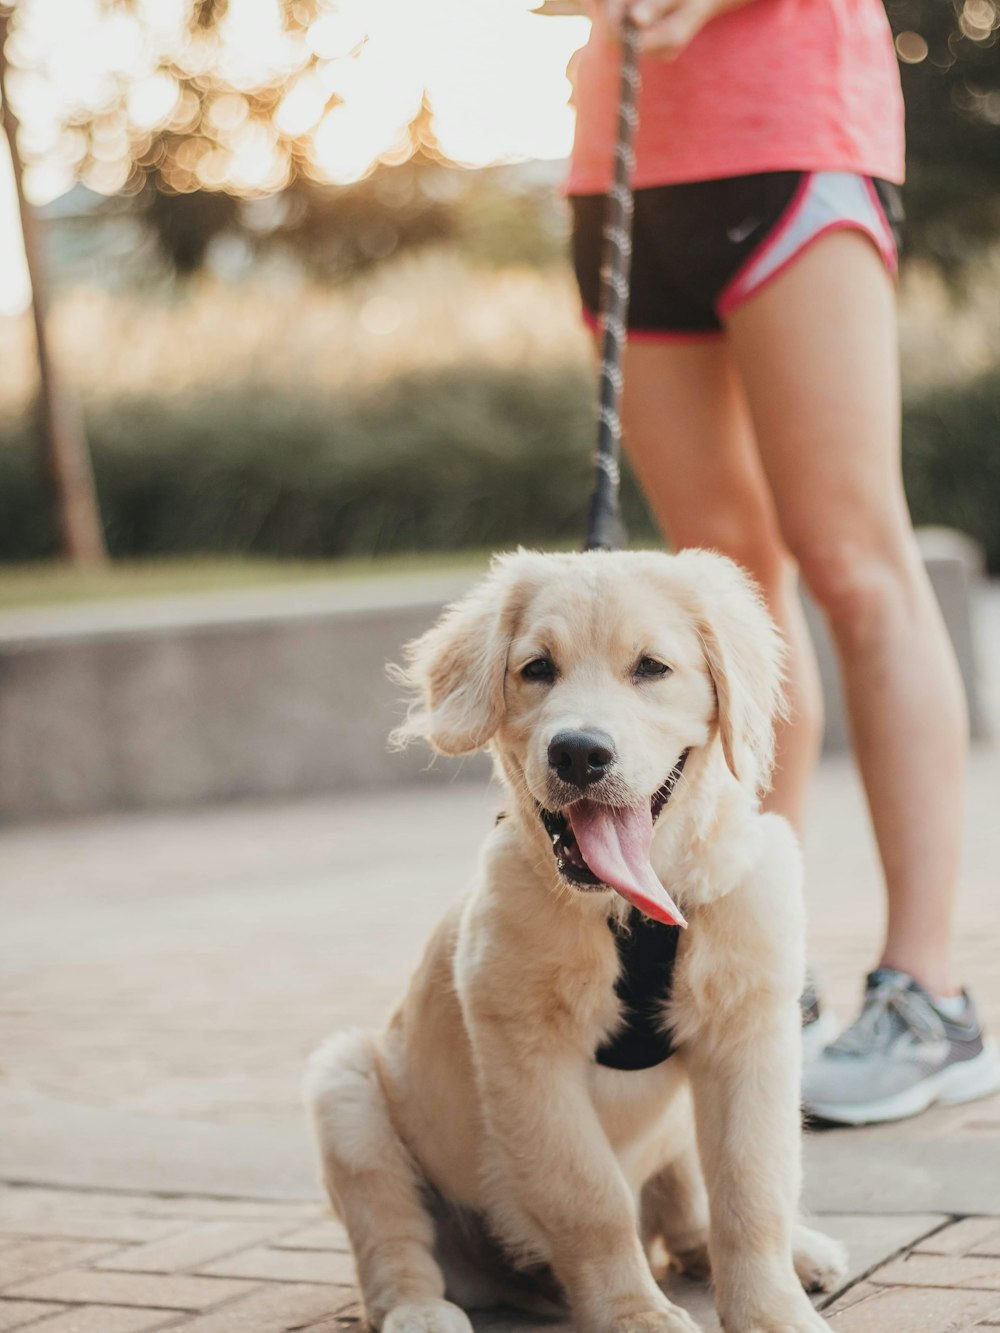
column 666, row 26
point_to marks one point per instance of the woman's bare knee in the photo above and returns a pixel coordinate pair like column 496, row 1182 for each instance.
column 858, row 584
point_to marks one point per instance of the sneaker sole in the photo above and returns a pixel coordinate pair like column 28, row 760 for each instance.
column 965, row 1081
column 816, row 1036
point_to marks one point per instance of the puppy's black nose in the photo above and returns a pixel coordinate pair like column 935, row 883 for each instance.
column 581, row 757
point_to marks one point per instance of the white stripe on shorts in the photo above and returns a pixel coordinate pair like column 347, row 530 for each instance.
column 825, row 201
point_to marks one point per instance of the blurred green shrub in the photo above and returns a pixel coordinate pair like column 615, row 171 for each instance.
column 951, row 460
column 467, row 459
column 462, row 460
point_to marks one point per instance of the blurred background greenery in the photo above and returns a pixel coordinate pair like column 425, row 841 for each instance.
column 287, row 339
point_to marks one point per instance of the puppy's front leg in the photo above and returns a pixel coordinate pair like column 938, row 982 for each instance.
column 746, row 1092
column 555, row 1172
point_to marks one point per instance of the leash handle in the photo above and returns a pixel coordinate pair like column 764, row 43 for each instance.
column 605, row 530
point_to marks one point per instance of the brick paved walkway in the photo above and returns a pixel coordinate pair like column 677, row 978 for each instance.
column 87, row 1262
column 73, row 1262
column 949, row 1282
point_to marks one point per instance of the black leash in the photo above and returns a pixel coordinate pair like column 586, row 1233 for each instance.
column 646, row 949
column 605, row 530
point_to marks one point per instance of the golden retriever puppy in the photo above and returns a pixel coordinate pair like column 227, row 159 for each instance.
column 599, row 1056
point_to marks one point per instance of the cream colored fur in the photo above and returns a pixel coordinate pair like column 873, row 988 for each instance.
column 474, row 1147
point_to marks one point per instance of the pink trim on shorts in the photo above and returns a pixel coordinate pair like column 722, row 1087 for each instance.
column 738, row 289
column 653, row 336
column 888, row 257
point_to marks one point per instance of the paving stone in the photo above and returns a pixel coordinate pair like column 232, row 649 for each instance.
column 34, row 1258
column 272, row 1309
column 972, row 1235
column 169, row 1293
column 287, row 1266
column 28, row 1211
column 932, row 1270
column 31, row 1202
column 41, row 1203
column 325, row 1235
column 15, row 1314
column 90, row 1226
column 872, row 1238
column 107, row 1319
column 859, row 1292
column 70, row 1141
column 345, row 1322
column 234, row 1210
column 892, row 1172
column 915, row 1310
column 189, row 1249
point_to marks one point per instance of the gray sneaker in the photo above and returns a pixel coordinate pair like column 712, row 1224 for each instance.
column 900, row 1056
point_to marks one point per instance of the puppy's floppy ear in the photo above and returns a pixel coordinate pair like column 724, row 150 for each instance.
column 456, row 670
column 745, row 655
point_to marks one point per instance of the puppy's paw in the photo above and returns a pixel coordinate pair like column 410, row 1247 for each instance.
column 426, row 1317
column 674, row 1320
column 693, row 1263
column 813, row 1323
column 802, row 1319
column 820, row 1261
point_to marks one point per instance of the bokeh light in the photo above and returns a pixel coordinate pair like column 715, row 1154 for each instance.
column 345, row 87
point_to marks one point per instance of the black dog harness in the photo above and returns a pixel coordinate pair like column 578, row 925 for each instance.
column 647, row 952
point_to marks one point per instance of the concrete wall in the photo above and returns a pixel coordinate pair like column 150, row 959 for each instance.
column 206, row 699
column 279, row 692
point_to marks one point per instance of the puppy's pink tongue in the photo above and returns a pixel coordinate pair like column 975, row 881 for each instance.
column 615, row 845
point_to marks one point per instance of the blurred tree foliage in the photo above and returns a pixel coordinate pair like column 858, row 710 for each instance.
column 949, row 52
column 187, row 175
column 184, row 174
column 490, row 215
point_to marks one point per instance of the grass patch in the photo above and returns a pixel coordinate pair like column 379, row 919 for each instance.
column 47, row 583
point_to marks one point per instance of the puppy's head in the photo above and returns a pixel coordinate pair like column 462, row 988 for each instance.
column 591, row 677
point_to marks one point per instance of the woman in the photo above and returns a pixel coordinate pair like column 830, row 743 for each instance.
column 762, row 412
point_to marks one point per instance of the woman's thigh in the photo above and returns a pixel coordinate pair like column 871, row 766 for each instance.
column 816, row 351
column 690, row 441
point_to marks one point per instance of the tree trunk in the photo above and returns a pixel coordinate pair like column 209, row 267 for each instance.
column 66, row 456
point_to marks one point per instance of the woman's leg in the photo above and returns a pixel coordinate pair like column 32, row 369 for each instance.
column 817, row 354
column 690, row 441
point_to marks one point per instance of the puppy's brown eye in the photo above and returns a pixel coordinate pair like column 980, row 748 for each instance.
column 539, row 669
column 648, row 667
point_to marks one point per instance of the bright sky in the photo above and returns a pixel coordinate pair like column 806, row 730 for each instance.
column 494, row 72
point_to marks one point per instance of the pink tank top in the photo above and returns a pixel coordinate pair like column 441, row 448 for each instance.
column 777, row 85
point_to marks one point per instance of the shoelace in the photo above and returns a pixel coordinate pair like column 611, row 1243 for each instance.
column 889, row 1005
